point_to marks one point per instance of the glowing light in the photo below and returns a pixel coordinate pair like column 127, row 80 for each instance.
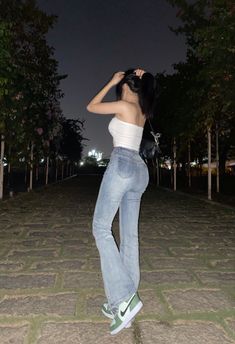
column 95, row 154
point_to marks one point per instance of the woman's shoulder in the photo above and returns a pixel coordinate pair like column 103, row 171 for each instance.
column 132, row 117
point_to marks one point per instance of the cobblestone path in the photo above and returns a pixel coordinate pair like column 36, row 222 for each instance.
column 50, row 281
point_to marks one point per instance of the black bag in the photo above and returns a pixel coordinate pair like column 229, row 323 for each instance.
column 150, row 149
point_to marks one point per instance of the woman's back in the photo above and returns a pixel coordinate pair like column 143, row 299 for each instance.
column 132, row 114
column 125, row 134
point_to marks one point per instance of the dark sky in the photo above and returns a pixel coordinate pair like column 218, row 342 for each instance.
column 95, row 38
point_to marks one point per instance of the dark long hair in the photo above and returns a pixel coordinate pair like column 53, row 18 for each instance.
column 144, row 87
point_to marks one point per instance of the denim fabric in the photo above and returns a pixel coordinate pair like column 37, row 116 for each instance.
column 123, row 184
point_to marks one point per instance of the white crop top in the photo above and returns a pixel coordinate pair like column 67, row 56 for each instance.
column 125, row 134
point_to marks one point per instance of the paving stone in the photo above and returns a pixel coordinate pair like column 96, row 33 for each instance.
column 13, row 233
column 25, row 243
column 94, row 304
column 79, row 241
column 33, row 253
column 152, row 303
column 150, row 241
column 177, row 263
column 231, row 323
column 217, row 277
column 71, row 226
column 56, row 304
column 82, row 333
column 165, row 277
column 202, row 251
column 153, row 251
column 13, row 334
column 80, row 252
column 10, row 266
column 94, row 264
column 47, row 234
column 82, row 280
column 152, row 332
column 223, row 263
column 59, row 265
column 50, row 243
column 177, row 234
column 194, row 300
column 36, row 225
column 19, row 244
column 205, row 241
column 27, row 281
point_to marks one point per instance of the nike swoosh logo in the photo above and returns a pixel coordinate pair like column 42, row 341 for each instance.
column 124, row 312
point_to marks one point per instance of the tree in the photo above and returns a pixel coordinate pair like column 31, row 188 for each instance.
column 35, row 82
column 71, row 143
column 29, row 83
column 209, row 28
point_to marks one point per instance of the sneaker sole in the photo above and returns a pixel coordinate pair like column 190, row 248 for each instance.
column 129, row 318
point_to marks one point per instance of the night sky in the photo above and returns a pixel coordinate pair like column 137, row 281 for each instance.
column 95, row 38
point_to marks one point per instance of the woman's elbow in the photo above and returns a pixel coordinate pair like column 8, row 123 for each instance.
column 89, row 107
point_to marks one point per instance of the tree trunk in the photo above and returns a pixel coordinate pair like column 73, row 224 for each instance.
column 62, row 170
column 174, row 164
column 37, row 172
column 217, row 160
column 200, row 162
column 56, row 169
column 25, row 174
column 9, row 174
column 67, row 169
column 2, row 166
column 47, row 169
column 189, row 165
column 31, row 169
column 209, row 162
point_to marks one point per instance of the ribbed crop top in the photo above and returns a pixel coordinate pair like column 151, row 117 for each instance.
column 125, row 134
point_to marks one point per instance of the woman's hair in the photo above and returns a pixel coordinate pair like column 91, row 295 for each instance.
column 144, row 87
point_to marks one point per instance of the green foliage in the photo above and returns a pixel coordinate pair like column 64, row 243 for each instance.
column 202, row 89
column 90, row 161
column 209, row 27
column 5, row 53
column 71, row 143
column 29, row 82
column 178, row 101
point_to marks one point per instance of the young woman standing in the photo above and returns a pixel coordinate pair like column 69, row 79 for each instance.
column 123, row 184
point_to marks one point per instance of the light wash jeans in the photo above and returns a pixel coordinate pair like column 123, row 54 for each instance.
column 123, row 184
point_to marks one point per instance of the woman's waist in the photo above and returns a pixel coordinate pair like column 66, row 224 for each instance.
column 124, row 152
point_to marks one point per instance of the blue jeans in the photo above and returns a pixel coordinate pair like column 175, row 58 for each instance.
column 123, row 184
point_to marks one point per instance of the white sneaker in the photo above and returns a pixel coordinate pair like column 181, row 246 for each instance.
column 126, row 312
column 109, row 314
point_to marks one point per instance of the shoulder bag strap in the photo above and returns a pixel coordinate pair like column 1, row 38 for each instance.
column 156, row 136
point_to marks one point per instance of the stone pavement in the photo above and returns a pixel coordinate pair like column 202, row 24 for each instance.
column 50, row 282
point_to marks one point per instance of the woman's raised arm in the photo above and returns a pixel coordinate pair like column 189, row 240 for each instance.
column 97, row 105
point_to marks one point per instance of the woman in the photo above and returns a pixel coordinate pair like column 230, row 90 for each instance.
column 123, row 184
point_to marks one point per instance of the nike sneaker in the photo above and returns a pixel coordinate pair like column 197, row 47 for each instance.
column 107, row 311
column 109, row 314
column 127, row 310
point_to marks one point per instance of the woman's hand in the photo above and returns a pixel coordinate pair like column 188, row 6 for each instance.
column 117, row 77
column 97, row 105
column 139, row 72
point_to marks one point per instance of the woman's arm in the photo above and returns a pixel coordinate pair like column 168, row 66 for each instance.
column 97, row 106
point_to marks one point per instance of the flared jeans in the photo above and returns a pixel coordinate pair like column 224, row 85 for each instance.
column 123, row 184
